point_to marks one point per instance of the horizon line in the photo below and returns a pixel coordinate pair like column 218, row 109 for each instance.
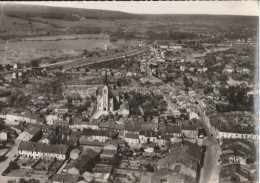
column 233, row 8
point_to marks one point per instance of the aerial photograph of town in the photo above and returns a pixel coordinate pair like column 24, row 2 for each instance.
column 129, row 92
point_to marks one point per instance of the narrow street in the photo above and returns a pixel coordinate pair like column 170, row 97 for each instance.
column 63, row 166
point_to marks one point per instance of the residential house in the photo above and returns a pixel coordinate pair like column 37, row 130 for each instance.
column 31, row 133
column 15, row 117
column 85, row 162
column 148, row 136
column 184, row 156
column 228, row 69
column 173, row 131
column 94, row 145
column 132, row 139
column 189, row 131
column 99, row 135
column 39, row 150
column 109, row 152
column 117, row 74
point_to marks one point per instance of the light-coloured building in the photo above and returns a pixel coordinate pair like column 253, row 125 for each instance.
column 39, row 150
column 14, row 118
column 189, row 131
column 132, row 139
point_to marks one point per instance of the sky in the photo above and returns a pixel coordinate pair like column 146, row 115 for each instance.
column 250, row 8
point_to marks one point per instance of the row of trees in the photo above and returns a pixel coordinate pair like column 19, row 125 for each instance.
column 170, row 35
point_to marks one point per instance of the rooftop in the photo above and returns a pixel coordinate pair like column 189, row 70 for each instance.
column 40, row 147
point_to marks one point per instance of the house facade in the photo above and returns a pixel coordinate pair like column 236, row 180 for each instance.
column 39, row 150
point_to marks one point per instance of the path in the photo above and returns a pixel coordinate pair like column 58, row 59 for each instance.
column 5, row 164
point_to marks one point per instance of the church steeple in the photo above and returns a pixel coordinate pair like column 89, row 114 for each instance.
column 105, row 79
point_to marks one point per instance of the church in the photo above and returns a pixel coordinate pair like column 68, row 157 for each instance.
column 107, row 99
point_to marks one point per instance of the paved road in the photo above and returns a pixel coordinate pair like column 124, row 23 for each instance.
column 211, row 169
column 99, row 60
column 60, row 63
column 4, row 164
column 82, row 61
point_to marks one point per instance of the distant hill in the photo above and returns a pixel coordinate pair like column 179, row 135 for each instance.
column 71, row 14
column 18, row 21
column 213, row 19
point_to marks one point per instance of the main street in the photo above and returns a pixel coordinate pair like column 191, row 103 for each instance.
column 211, row 168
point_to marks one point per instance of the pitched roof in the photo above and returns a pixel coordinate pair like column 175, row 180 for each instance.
column 172, row 129
column 109, row 152
column 132, row 136
column 76, row 150
column 107, row 133
column 86, row 142
column 149, row 133
column 188, row 155
column 32, row 129
column 132, row 126
column 40, row 147
column 84, row 159
column 188, row 127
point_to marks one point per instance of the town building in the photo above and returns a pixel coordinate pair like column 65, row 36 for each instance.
column 39, row 150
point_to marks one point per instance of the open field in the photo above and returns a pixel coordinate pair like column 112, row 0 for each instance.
column 25, row 56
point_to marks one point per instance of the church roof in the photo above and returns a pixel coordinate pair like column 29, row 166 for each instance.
column 111, row 93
